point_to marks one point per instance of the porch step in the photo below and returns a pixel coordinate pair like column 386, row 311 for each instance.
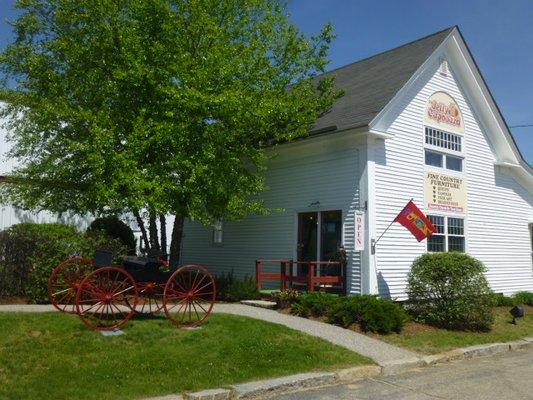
column 259, row 303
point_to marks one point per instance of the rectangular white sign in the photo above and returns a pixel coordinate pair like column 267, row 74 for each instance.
column 444, row 193
column 359, row 231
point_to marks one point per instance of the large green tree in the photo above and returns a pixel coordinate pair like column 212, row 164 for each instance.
column 156, row 107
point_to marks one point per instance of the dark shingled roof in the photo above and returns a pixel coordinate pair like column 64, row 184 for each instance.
column 371, row 83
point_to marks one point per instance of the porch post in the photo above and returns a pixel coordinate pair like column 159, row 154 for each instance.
column 258, row 274
column 283, row 274
column 311, row 277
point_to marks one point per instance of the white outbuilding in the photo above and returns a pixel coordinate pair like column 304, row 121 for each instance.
column 416, row 122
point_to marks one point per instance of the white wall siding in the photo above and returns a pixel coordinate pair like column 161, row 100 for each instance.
column 322, row 169
column 10, row 215
column 498, row 207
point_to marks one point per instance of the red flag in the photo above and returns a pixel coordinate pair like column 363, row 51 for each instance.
column 413, row 219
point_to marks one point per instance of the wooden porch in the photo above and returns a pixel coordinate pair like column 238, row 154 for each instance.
column 319, row 275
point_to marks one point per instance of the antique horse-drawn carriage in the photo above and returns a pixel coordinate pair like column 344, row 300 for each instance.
column 106, row 296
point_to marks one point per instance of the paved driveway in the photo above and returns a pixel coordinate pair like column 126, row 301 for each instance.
column 508, row 376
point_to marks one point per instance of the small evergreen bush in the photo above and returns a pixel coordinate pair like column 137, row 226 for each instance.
column 370, row 312
column 116, row 229
column 449, row 290
column 313, row 304
column 29, row 252
column 232, row 289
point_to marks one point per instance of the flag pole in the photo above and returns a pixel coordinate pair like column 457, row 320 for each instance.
column 375, row 242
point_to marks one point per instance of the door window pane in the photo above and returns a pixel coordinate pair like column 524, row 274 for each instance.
column 307, row 239
column 331, row 237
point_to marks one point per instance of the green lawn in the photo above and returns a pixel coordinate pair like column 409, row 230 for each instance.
column 54, row 356
column 428, row 340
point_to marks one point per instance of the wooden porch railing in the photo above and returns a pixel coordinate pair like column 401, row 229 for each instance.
column 312, row 279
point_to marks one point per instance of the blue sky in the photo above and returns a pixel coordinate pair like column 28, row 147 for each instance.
column 498, row 32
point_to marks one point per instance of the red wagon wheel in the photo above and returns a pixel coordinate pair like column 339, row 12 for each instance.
column 150, row 297
column 189, row 296
column 107, row 298
column 64, row 283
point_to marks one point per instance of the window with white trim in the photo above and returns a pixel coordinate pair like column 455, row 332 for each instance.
column 450, row 234
column 218, row 232
column 440, row 160
column 445, row 140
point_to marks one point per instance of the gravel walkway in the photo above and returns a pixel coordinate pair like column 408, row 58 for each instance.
column 380, row 352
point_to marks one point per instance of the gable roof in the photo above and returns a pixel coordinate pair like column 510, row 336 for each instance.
column 371, row 83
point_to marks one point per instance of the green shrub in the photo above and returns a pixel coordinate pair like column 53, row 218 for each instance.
column 313, row 304
column 116, row 229
column 503, row 301
column 523, row 298
column 29, row 252
column 517, row 299
column 449, row 290
column 231, row 289
column 370, row 312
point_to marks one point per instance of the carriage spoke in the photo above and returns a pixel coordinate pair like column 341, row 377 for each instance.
column 200, row 305
column 91, row 307
column 195, row 288
column 62, row 291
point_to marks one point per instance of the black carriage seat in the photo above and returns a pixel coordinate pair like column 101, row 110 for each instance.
column 156, row 255
column 103, row 257
column 145, row 269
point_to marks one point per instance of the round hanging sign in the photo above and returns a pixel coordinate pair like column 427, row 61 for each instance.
column 443, row 112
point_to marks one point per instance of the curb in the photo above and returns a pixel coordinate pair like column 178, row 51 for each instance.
column 481, row 350
column 286, row 383
column 256, row 389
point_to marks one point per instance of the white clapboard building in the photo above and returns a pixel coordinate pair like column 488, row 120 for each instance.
column 416, row 122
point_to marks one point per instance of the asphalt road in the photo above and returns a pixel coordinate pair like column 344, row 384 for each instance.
column 508, row 376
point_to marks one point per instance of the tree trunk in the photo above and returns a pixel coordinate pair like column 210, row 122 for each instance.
column 163, row 228
column 140, row 223
column 175, row 243
column 152, row 227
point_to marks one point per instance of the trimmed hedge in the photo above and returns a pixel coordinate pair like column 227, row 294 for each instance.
column 29, row 252
column 314, row 304
column 232, row 289
column 371, row 313
column 449, row 290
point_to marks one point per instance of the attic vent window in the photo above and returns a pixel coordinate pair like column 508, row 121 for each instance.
column 444, row 67
column 445, row 140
